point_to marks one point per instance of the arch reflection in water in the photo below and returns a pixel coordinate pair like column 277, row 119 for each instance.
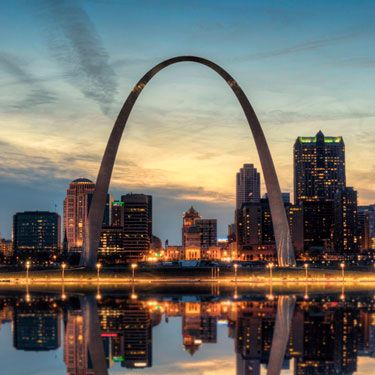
column 253, row 335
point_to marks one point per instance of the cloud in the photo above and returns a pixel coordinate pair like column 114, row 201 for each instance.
column 78, row 50
column 300, row 47
column 286, row 117
column 37, row 93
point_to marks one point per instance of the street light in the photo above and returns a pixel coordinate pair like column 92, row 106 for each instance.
column 270, row 266
column 133, row 266
column 98, row 267
column 235, row 272
column 27, row 271
column 306, row 267
column 342, row 265
column 63, row 266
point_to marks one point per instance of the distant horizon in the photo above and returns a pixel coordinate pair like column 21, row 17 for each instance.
column 303, row 69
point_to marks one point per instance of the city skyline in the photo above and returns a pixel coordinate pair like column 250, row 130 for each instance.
column 40, row 159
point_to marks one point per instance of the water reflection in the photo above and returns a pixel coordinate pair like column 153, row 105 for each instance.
column 314, row 335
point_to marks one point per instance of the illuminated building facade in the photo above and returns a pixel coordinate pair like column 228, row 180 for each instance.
column 6, row 248
column 117, row 214
column 346, row 222
column 111, row 249
column 192, row 243
column 366, row 227
column 76, row 206
column 319, row 167
column 36, row 235
column 198, row 235
column 249, row 227
column 188, row 220
column 173, row 252
column 137, row 225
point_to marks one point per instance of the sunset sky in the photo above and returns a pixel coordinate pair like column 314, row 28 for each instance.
column 66, row 68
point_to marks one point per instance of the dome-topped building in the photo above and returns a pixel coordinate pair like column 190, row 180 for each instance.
column 82, row 180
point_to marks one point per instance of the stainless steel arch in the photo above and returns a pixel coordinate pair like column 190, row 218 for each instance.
column 285, row 251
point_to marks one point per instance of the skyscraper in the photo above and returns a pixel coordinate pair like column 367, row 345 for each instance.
column 76, row 206
column 319, row 167
column 36, row 234
column 319, row 172
column 137, row 225
column 117, row 214
column 247, row 185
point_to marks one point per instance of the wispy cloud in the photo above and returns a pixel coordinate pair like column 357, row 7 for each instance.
column 36, row 93
column 79, row 51
column 287, row 117
column 300, row 47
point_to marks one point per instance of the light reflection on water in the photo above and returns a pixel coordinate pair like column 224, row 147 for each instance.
column 181, row 333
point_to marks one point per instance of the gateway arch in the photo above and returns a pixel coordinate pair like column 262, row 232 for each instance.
column 285, row 253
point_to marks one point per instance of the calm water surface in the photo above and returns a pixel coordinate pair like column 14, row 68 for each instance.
column 183, row 333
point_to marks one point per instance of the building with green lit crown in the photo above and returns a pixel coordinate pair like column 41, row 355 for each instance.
column 319, row 167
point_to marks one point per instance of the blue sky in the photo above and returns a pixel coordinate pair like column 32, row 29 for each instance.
column 66, row 68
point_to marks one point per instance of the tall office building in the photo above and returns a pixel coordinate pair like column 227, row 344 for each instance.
column 319, row 167
column 36, row 235
column 249, row 226
column 137, row 225
column 76, row 205
column 117, row 214
column 254, row 230
column 346, row 222
column 247, row 185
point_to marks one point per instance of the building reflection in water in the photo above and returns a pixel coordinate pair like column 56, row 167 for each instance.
column 315, row 336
